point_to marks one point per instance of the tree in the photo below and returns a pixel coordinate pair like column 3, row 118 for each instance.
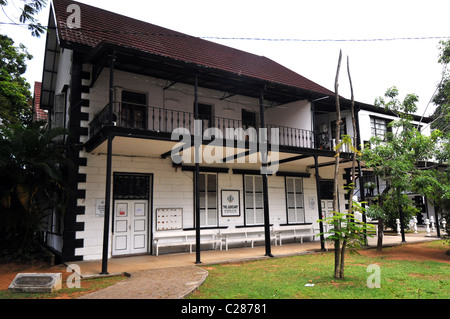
column 441, row 116
column 435, row 185
column 14, row 90
column 346, row 232
column 29, row 10
column 393, row 159
column 32, row 166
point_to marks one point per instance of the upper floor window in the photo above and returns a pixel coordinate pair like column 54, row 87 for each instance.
column 133, row 110
column 343, row 129
column 59, row 109
column 379, row 126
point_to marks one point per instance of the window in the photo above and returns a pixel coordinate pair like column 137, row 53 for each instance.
column 208, row 199
column 343, row 129
column 132, row 113
column 59, row 109
column 326, row 189
column 294, row 200
column 254, row 202
column 205, row 114
column 129, row 186
column 379, row 126
column 248, row 119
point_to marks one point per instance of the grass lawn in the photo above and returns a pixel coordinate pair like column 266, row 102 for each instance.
column 285, row 278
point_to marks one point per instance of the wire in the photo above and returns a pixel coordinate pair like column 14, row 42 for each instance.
column 179, row 35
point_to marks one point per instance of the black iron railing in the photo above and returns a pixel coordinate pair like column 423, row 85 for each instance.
column 167, row 120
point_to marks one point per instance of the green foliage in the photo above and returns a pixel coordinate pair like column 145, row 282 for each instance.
column 394, row 159
column 347, row 233
column 441, row 116
column 14, row 90
column 344, row 227
column 32, row 171
column 27, row 15
column 435, row 184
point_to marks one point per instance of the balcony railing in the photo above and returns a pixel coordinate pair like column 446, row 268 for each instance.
column 157, row 119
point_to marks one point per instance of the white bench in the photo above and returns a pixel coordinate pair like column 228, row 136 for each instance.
column 170, row 238
column 245, row 235
column 294, row 231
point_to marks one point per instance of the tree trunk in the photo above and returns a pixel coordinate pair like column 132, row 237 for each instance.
column 380, row 219
column 354, row 141
column 337, row 250
column 380, row 234
column 344, row 246
column 338, row 133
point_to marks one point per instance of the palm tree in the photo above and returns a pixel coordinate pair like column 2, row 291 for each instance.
column 32, row 166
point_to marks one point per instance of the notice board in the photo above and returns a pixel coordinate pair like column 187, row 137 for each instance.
column 169, row 218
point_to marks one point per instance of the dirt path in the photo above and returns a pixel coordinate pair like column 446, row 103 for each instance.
column 419, row 252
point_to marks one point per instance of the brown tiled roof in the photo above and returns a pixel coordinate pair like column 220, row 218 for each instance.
column 39, row 113
column 99, row 25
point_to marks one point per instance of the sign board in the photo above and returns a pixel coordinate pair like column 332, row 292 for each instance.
column 99, row 208
column 169, row 218
column 230, row 203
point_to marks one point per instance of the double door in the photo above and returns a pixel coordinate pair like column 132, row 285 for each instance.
column 132, row 194
column 130, row 227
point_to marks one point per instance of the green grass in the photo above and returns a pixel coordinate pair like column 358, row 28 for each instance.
column 285, row 278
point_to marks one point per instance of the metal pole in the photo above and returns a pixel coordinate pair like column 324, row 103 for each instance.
column 108, row 170
column 197, row 178
column 319, row 202
column 264, row 180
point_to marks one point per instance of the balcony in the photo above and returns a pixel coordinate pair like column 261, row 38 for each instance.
column 156, row 119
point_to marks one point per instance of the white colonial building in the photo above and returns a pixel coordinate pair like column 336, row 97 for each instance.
column 122, row 86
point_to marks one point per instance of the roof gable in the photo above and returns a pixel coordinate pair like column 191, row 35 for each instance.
column 98, row 25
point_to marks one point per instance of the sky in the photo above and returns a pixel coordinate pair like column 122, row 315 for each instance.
column 316, row 30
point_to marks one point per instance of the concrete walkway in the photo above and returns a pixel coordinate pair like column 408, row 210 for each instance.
column 173, row 276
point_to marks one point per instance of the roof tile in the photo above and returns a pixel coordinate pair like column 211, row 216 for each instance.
column 99, row 25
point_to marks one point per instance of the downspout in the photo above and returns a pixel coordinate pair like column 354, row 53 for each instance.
column 108, row 169
column 264, row 179
column 319, row 202
column 197, row 175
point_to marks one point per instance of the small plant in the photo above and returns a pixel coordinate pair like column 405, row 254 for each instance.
column 349, row 232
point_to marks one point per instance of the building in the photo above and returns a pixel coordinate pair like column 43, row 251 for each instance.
column 122, row 87
column 38, row 113
column 374, row 122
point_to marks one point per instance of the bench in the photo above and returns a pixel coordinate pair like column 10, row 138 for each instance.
column 185, row 238
column 245, row 235
column 294, row 231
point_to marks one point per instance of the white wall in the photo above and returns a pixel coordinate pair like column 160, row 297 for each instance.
column 174, row 189
column 364, row 124
column 180, row 97
column 296, row 115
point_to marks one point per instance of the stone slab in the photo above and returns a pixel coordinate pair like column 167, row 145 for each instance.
column 36, row 282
